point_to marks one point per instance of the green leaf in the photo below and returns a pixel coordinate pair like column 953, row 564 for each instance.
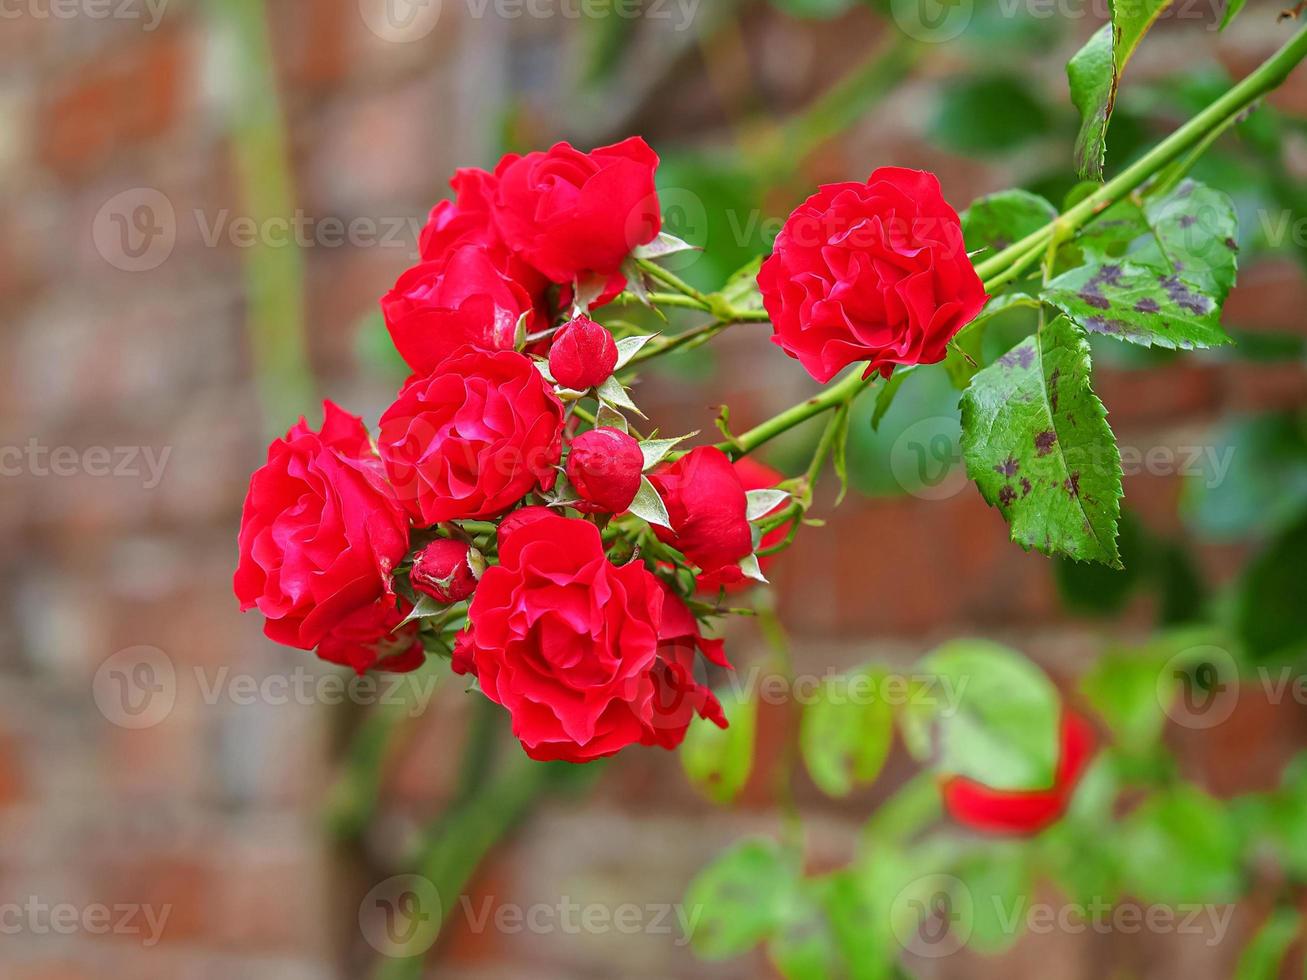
column 1181, row 845
column 803, row 947
column 648, row 506
column 664, row 244
column 656, row 450
column 840, row 451
column 628, row 347
column 612, row 393
column 1093, row 80
column 1123, row 688
column 999, row 880
column 718, row 761
column 1037, row 444
column 1094, row 74
column 762, row 502
column 741, row 290
column 1232, row 8
column 741, row 898
column 1155, row 275
column 846, row 731
column 1269, row 614
column 994, row 715
column 999, row 220
column 1262, row 957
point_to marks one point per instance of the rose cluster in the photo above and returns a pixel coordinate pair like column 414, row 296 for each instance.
column 483, row 521
column 507, row 514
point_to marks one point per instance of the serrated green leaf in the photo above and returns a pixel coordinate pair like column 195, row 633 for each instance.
column 1093, row 80
column 718, row 761
column 1094, row 74
column 612, row 393
column 762, row 502
column 656, row 450
column 425, row 607
column 628, row 347
column 1138, row 304
column 741, row 898
column 998, row 220
column 1037, row 444
column 648, row 506
column 982, row 710
column 610, row 418
column 846, row 730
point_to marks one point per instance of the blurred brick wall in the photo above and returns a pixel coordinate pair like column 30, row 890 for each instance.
column 215, row 812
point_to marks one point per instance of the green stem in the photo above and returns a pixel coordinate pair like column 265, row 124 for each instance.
column 852, row 385
column 673, row 281
column 1266, row 77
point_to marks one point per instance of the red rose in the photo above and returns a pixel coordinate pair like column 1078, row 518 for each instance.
column 473, row 437
column 464, row 220
column 320, row 532
column 753, row 476
column 570, row 644
column 583, row 354
column 570, row 213
column 870, row 272
column 604, row 469
column 707, row 506
column 442, row 571
column 367, row 639
column 463, row 298
column 1024, row 811
column 520, row 518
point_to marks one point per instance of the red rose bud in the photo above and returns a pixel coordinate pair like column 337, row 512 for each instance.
column 583, row 356
column 443, row 571
column 997, row 811
column 604, row 470
column 870, row 272
column 708, row 508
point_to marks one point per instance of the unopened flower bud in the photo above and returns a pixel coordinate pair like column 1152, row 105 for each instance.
column 583, row 355
column 604, row 469
column 443, row 570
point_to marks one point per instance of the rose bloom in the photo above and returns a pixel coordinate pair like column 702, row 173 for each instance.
column 571, row 214
column 320, row 532
column 707, row 506
column 753, row 476
column 462, row 298
column 872, row 272
column 473, row 437
column 367, row 639
column 576, row 649
column 980, row 807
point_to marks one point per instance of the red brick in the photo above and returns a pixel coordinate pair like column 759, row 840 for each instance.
column 128, row 96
